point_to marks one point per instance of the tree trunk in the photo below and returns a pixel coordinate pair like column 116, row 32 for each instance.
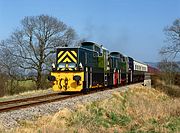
column 39, row 73
column 11, row 91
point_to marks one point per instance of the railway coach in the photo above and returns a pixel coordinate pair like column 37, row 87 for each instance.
column 139, row 70
column 153, row 70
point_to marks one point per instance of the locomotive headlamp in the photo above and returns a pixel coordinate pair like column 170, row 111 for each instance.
column 53, row 67
column 80, row 65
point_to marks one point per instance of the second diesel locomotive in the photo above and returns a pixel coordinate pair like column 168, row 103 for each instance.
column 92, row 66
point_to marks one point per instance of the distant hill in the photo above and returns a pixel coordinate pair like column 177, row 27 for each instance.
column 153, row 64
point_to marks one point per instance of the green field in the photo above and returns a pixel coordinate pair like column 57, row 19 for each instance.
column 20, row 88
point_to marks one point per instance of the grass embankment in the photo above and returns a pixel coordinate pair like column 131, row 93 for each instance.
column 137, row 110
column 172, row 90
column 25, row 88
column 31, row 93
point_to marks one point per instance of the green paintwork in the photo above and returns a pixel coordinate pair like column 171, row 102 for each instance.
column 123, row 67
column 103, row 60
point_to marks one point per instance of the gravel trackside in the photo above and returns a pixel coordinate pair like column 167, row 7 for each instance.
column 11, row 119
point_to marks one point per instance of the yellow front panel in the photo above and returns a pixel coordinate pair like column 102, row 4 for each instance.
column 64, row 81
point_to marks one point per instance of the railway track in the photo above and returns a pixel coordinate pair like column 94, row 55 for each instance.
column 16, row 104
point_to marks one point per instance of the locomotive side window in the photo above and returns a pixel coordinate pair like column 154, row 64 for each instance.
column 95, row 54
column 101, row 52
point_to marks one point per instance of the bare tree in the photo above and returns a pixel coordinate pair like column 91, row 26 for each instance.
column 10, row 72
column 8, row 63
column 36, row 40
column 173, row 39
column 168, row 66
column 169, row 70
column 3, row 82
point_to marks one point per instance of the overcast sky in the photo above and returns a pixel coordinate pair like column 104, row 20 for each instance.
column 133, row 27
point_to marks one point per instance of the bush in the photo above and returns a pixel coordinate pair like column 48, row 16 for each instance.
column 3, row 81
column 10, row 86
column 162, row 82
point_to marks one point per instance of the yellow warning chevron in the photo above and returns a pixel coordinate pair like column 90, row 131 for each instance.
column 60, row 53
column 69, row 55
column 74, row 53
column 67, row 60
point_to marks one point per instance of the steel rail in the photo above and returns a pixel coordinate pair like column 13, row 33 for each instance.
column 41, row 99
column 35, row 102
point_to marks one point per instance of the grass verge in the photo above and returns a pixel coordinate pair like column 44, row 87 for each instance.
column 139, row 109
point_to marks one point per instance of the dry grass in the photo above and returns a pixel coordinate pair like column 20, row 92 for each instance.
column 139, row 109
column 170, row 89
column 162, row 83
